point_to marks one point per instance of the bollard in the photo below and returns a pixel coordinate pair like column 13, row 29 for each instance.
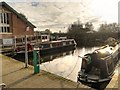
column 36, row 62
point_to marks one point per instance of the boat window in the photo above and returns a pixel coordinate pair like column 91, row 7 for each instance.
column 44, row 37
column 57, row 44
column 46, row 45
column 64, row 43
column 72, row 42
column 60, row 44
column 53, row 44
column 67, row 43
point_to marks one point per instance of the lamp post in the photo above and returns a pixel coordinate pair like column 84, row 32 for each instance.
column 26, row 51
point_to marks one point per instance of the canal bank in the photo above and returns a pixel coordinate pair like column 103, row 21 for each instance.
column 115, row 81
column 14, row 75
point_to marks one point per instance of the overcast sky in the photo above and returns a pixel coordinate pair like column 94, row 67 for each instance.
column 57, row 15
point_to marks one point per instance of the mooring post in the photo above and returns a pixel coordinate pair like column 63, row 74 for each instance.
column 36, row 58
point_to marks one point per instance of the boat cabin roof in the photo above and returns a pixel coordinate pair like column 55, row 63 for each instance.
column 104, row 52
column 58, row 41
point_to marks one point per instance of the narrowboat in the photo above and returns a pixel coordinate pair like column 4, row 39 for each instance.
column 98, row 67
column 50, row 47
column 57, row 46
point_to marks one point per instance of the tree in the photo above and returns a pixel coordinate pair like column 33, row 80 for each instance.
column 77, row 27
column 80, row 33
column 89, row 26
column 48, row 31
column 112, row 27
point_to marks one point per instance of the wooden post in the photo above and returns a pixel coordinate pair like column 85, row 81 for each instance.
column 26, row 52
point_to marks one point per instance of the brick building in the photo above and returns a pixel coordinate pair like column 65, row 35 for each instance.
column 13, row 24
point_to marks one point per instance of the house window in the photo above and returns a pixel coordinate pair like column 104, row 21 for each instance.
column 4, row 29
column 4, row 22
column 1, row 18
column 4, row 18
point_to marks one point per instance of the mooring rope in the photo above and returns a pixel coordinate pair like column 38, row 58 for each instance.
column 72, row 69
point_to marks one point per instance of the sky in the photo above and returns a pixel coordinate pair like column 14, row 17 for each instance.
column 106, row 9
column 57, row 15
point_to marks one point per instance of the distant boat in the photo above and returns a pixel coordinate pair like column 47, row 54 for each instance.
column 98, row 67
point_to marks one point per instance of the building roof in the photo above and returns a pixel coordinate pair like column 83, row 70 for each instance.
column 4, row 4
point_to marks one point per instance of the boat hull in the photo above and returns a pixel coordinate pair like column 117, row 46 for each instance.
column 97, row 84
column 50, row 51
column 57, row 49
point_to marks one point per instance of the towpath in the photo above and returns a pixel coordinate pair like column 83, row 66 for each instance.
column 115, row 81
column 14, row 75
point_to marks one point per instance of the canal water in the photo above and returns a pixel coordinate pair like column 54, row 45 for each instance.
column 65, row 64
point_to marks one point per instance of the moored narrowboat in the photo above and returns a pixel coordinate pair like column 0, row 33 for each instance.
column 57, row 46
column 98, row 67
column 50, row 47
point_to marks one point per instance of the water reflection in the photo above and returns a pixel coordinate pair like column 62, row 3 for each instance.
column 65, row 64
column 49, row 58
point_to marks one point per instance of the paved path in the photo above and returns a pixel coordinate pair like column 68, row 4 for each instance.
column 14, row 75
column 115, row 81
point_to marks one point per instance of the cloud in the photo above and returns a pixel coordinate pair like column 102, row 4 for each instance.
column 55, row 15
